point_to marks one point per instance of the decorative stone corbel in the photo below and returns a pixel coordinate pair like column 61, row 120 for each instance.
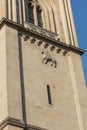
column 65, row 52
column 25, row 37
column 32, row 40
column 39, row 43
column 58, row 50
column 52, row 48
column 46, row 45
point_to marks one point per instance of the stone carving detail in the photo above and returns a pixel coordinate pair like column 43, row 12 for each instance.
column 58, row 50
column 41, row 31
column 64, row 53
column 32, row 40
column 39, row 43
column 52, row 48
column 25, row 37
column 46, row 45
column 48, row 58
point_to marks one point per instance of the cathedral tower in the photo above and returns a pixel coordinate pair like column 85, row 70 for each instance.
column 42, row 84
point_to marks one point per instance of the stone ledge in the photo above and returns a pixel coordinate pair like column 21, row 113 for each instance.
column 18, row 123
column 22, row 29
column 11, row 121
column 42, row 31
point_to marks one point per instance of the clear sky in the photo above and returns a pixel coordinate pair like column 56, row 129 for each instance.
column 79, row 8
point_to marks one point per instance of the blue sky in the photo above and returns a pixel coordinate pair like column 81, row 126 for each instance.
column 79, row 8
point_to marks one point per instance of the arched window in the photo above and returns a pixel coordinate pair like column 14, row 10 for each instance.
column 39, row 16
column 33, row 12
column 29, row 11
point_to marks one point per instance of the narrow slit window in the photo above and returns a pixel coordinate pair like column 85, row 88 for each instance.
column 39, row 16
column 29, row 12
column 49, row 95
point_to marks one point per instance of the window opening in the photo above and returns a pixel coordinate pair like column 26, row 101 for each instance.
column 17, row 9
column 39, row 16
column 29, row 12
column 49, row 95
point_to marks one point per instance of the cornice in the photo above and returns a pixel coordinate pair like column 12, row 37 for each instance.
column 57, row 42
column 18, row 123
column 11, row 121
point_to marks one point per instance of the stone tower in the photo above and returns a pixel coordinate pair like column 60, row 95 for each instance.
column 42, row 85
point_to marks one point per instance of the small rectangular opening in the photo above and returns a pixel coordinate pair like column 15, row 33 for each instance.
column 49, row 95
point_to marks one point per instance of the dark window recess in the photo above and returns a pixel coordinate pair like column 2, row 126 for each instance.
column 49, row 95
column 39, row 16
column 29, row 12
column 17, row 10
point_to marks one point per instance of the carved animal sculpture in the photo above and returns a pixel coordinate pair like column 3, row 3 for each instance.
column 48, row 58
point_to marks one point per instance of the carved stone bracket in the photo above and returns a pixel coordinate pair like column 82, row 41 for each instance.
column 39, row 43
column 25, row 37
column 65, row 52
column 33, row 40
column 46, row 45
column 58, row 50
column 52, row 48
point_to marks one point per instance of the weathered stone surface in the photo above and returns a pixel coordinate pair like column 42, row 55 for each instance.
column 27, row 66
column 56, row 16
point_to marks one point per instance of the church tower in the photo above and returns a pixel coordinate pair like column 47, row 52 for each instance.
column 42, row 84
